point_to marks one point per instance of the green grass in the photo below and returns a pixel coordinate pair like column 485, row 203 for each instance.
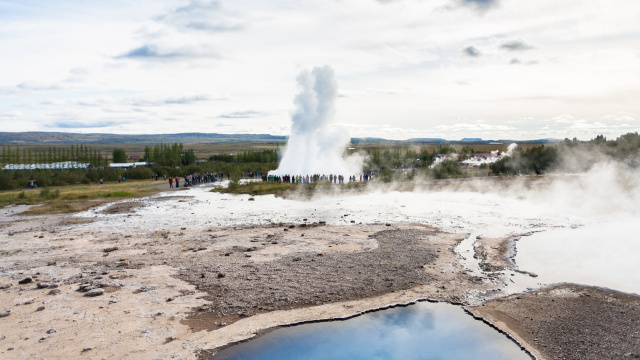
column 75, row 198
column 256, row 188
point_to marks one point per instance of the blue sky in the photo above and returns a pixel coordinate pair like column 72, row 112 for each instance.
column 405, row 68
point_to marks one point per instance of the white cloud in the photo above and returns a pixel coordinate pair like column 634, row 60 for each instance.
column 396, row 62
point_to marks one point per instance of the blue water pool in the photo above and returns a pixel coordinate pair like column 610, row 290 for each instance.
column 421, row 331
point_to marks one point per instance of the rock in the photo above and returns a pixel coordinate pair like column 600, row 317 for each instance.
column 40, row 308
column 202, row 276
column 252, row 199
column 25, row 281
column 110, row 249
column 51, row 331
column 53, row 286
column 5, row 314
column 42, row 285
column 270, row 235
column 87, row 349
column 54, row 292
column 85, row 287
column 51, row 263
column 274, row 242
column 114, row 276
column 221, row 275
column 10, row 348
column 113, row 301
column 5, row 286
column 43, row 338
column 170, row 299
column 95, row 292
column 387, row 224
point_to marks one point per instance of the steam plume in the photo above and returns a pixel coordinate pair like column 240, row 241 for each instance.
column 315, row 146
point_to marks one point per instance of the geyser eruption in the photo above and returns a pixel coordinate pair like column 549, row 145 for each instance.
column 315, row 146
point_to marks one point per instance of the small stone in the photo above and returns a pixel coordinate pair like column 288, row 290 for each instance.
column 252, row 199
column 40, row 308
column 94, row 292
column 51, row 263
column 43, row 338
column 87, row 349
column 54, row 292
column 25, row 281
column 42, row 285
column 51, row 331
column 274, row 242
column 5, row 286
column 387, row 224
column 53, row 286
column 5, row 314
column 170, row 299
column 221, row 275
column 202, row 276
column 114, row 276
column 10, row 348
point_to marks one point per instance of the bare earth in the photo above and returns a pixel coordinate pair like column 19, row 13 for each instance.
column 185, row 294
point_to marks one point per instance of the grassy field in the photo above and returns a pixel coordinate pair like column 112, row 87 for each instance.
column 68, row 199
column 204, row 151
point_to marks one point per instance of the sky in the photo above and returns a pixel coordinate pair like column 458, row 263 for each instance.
column 491, row 69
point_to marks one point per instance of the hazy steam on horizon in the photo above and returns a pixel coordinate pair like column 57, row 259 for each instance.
column 316, row 145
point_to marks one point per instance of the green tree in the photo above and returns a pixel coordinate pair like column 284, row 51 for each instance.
column 119, row 156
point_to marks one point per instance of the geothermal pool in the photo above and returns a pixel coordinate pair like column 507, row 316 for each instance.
column 420, row 331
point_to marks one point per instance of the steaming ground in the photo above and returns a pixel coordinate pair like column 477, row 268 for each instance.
column 177, row 263
column 570, row 241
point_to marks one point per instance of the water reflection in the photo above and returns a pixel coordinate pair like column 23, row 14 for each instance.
column 421, row 331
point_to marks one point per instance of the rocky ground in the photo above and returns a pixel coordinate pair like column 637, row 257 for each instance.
column 570, row 321
column 68, row 291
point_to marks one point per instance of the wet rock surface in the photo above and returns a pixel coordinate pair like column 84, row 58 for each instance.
column 307, row 279
column 571, row 321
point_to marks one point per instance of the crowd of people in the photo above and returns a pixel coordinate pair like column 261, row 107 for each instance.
column 308, row 179
column 190, row 180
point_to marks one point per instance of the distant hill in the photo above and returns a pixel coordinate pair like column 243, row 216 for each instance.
column 60, row 138
column 426, row 140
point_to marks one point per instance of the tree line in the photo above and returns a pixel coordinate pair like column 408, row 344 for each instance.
column 571, row 155
column 53, row 154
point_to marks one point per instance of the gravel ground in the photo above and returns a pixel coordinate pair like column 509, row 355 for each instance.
column 569, row 321
column 304, row 279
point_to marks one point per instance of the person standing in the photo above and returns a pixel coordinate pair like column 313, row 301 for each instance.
column 177, row 182
column 170, row 182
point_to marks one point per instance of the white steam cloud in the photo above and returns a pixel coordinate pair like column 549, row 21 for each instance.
column 315, row 145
